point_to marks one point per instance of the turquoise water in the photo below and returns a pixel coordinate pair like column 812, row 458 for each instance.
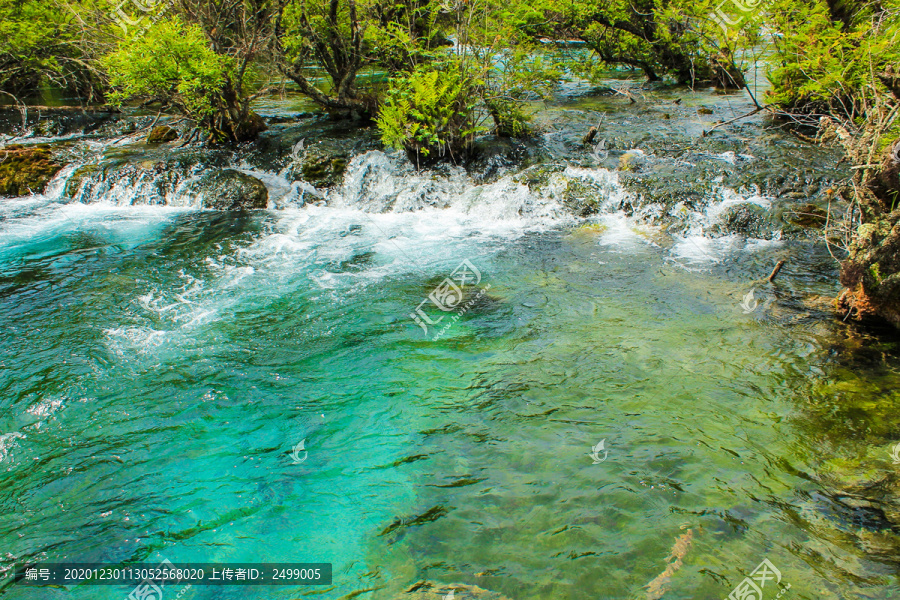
column 160, row 365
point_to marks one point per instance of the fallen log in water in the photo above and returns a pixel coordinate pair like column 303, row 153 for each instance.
column 59, row 109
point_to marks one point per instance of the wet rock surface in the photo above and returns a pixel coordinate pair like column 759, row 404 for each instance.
column 229, row 189
column 321, row 163
column 162, row 134
column 26, row 170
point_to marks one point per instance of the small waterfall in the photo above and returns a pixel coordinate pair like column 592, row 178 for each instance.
column 156, row 184
column 440, row 203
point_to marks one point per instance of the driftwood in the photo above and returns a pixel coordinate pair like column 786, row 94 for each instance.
column 61, row 109
column 657, row 588
column 776, row 270
column 589, row 137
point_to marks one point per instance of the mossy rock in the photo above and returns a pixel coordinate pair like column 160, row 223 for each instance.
column 26, row 170
column 228, row 189
column 809, row 216
column 630, row 161
column 582, row 199
column 73, row 184
column 750, row 220
column 161, row 134
column 323, row 165
column 590, row 229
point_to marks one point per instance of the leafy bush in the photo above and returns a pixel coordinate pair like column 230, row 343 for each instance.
column 430, row 113
column 824, row 62
column 172, row 63
column 45, row 44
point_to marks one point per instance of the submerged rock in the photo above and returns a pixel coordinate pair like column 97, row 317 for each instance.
column 161, row 134
column 809, row 216
column 25, row 170
column 231, row 190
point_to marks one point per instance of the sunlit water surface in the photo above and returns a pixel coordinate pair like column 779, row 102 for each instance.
column 158, row 365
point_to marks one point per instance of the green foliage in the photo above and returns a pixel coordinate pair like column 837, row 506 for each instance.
column 402, row 35
column 512, row 77
column 171, row 63
column 45, row 43
column 431, row 112
column 678, row 38
column 825, row 62
column 510, row 118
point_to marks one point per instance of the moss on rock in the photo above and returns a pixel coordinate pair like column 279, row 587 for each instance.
column 232, row 190
column 323, row 165
column 26, row 170
column 161, row 134
column 75, row 181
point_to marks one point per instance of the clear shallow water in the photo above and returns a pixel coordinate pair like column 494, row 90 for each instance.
column 159, row 364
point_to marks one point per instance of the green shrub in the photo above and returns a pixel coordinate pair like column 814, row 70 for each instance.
column 824, row 64
column 172, row 63
column 431, row 113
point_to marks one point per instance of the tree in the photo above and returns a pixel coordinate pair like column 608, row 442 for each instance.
column 836, row 66
column 346, row 37
column 436, row 111
column 331, row 36
column 660, row 37
column 174, row 65
column 43, row 43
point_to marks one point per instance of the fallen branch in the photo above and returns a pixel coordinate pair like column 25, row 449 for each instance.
column 65, row 109
column 657, row 588
column 625, row 93
column 776, row 270
column 717, row 125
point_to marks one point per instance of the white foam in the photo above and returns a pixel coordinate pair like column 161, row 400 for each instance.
column 7, row 441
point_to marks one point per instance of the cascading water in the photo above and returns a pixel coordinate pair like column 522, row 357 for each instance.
column 160, row 362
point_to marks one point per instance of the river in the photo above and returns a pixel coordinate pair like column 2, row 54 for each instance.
column 301, row 384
